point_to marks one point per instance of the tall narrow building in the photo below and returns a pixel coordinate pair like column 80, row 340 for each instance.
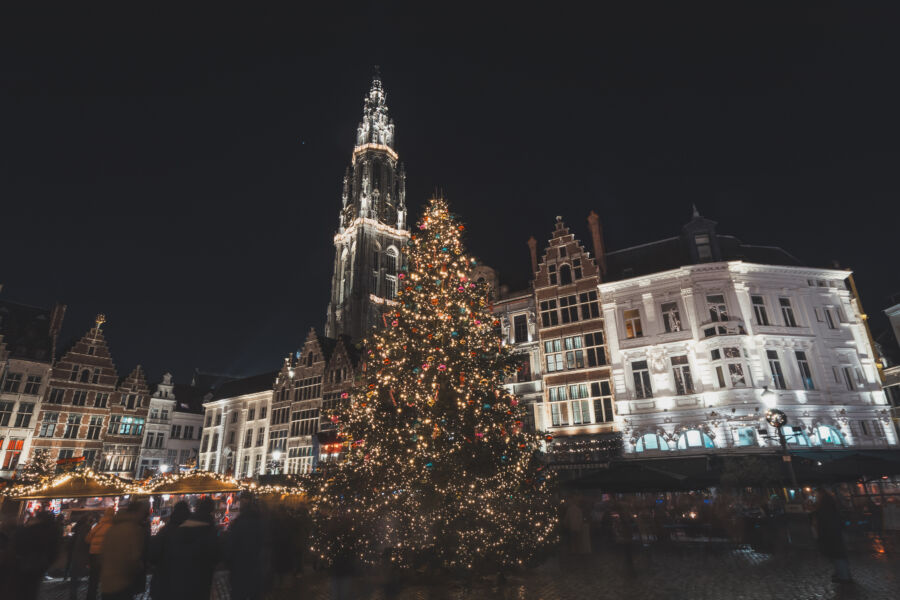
column 372, row 227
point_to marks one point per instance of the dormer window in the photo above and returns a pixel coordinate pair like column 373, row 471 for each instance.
column 703, row 245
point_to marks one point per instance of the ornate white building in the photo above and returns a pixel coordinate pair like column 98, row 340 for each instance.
column 173, row 430
column 700, row 353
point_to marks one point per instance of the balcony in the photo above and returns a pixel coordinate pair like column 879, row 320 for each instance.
column 720, row 328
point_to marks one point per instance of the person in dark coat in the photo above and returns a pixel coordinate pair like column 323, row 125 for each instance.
column 162, row 581
column 78, row 555
column 245, row 553
column 34, row 547
column 192, row 553
column 123, row 571
column 829, row 527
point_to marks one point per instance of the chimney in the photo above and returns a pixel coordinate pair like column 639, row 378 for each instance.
column 597, row 233
column 532, row 247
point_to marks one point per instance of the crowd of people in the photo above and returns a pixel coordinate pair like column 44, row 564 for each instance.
column 261, row 548
column 758, row 520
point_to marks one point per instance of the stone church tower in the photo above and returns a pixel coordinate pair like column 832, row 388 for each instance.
column 368, row 247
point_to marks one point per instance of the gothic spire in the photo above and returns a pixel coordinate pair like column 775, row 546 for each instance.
column 376, row 127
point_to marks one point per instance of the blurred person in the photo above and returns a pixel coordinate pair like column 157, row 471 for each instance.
column 193, row 553
column 161, row 553
column 95, row 539
column 79, row 553
column 33, row 549
column 829, row 528
column 245, row 558
column 123, row 571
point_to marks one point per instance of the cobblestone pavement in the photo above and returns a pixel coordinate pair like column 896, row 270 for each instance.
column 677, row 572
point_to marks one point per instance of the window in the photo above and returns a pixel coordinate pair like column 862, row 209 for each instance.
column 208, row 419
column 48, row 424
column 93, row 432
column 56, row 396
column 33, row 385
column 594, row 349
column 794, row 436
column 304, row 422
column 73, row 376
column 245, row 470
column 826, row 435
column 234, row 417
column 129, row 401
column 6, row 409
column 574, row 354
column 704, row 248
column 549, row 316
column 85, row 376
column 805, row 372
column 72, row 425
column 175, row 433
column 694, row 438
column 390, row 287
column 101, row 400
column 205, row 443
column 231, row 435
column 95, row 378
column 559, row 410
column 65, row 453
column 730, row 372
column 715, row 303
column 565, row 275
column 13, row 453
column 164, row 414
column 189, row 432
column 23, row 416
column 251, row 413
column 12, row 382
column 744, row 436
column 590, row 308
column 633, row 323
column 215, row 442
column 390, row 261
column 154, row 413
column 576, row 264
column 79, row 398
column 248, row 438
column 281, row 415
column 848, row 378
column 651, row 441
column 520, row 329
column 114, row 422
column 759, row 310
column 552, row 271
column 602, row 398
column 260, row 434
column 218, row 419
column 130, row 425
column 257, row 463
column 569, row 308
column 775, row 368
column 681, row 370
column 671, row 318
column 825, row 315
column 787, row 312
column 91, row 350
column 278, row 440
column 563, row 252
column 641, row 375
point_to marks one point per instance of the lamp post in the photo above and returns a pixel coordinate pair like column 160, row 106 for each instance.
column 778, row 419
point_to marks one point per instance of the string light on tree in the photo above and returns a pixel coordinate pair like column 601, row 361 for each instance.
column 437, row 462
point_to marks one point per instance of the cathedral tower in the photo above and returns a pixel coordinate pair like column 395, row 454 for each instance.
column 372, row 228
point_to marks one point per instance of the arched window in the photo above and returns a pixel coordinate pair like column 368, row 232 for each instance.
column 85, row 376
column 794, row 438
column 565, row 275
column 826, row 435
column 694, row 438
column 651, row 441
column 390, row 261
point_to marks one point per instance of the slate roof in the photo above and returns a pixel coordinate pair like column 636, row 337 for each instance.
column 26, row 331
column 247, row 385
column 674, row 252
column 189, row 398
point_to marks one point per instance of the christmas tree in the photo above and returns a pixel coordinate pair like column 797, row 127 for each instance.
column 438, row 467
column 41, row 466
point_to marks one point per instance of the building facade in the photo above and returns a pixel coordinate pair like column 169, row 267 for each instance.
column 27, row 345
column 173, row 429
column 700, row 353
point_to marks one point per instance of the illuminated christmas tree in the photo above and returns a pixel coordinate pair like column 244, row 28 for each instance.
column 40, row 467
column 438, row 466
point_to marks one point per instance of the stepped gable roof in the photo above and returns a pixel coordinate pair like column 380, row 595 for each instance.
column 135, row 382
column 247, row 385
column 354, row 350
column 26, row 331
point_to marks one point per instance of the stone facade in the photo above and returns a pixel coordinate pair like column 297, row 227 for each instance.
column 173, row 429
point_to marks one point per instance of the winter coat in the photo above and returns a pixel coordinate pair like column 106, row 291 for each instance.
column 245, row 555
column 124, row 555
column 190, row 557
column 96, row 535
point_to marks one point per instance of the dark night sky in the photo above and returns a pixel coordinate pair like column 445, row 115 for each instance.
column 181, row 172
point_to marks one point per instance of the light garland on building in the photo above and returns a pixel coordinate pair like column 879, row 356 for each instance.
column 437, row 463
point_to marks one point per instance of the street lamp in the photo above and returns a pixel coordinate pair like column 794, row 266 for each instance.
column 778, row 419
